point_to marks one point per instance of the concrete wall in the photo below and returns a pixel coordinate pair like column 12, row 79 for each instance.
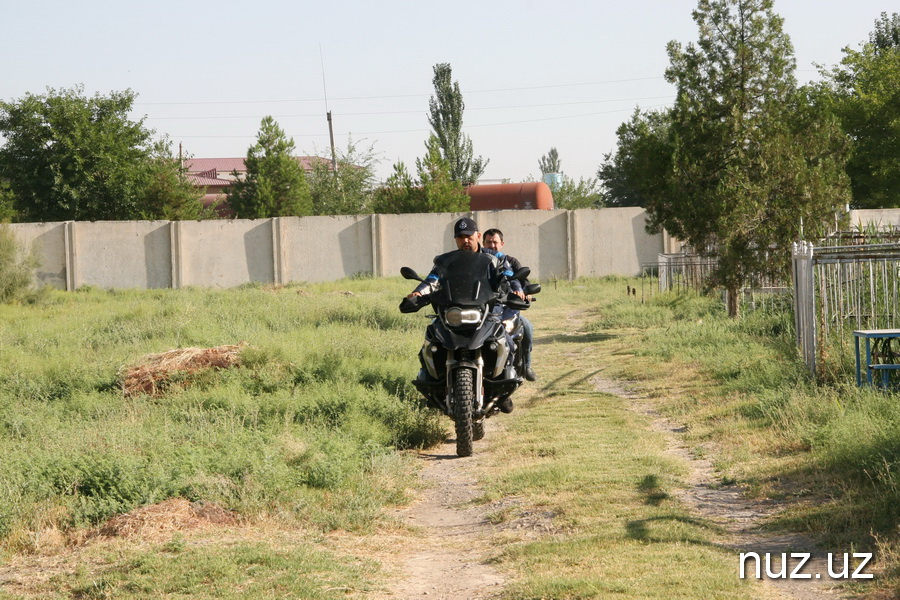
column 222, row 254
column 228, row 253
column 323, row 248
column 121, row 254
column 877, row 217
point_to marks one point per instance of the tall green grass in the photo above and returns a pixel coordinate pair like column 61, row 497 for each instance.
column 829, row 440
column 307, row 427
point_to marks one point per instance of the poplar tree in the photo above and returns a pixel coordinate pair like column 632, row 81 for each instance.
column 445, row 116
column 754, row 165
column 550, row 162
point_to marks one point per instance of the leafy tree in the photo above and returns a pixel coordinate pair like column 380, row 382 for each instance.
column 168, row 193
column 399, row 194
column 275, row 184
column 550, row 162
column 570, row 195
column 886, row 35
column 753, row 163
column 446, row 117
column 865, row 93
column 71, row 157
column 442, row 192
column 350, row 189
column 642, row 163
column 435, row 190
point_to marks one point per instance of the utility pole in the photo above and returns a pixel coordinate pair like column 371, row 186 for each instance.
column 331, row 135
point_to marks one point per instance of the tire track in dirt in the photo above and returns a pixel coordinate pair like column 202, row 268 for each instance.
column 448, row 560
column 738, row 516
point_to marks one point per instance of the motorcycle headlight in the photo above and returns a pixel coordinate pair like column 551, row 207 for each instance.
column 458, row 316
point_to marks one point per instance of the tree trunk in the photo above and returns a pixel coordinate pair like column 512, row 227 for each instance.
column 733, row 301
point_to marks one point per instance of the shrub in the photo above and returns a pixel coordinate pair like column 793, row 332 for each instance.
column 16, row 267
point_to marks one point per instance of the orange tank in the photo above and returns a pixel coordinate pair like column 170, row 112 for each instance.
column 510, row 196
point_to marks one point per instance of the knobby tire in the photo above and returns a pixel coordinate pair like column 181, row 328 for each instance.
column 464, row 392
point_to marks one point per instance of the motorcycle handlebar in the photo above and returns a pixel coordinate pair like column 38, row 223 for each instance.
column 414, row 304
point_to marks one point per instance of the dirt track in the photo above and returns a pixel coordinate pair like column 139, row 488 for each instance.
column 449, row 560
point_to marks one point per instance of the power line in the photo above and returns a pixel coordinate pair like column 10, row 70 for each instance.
column 512, row 89
column 406, row 112
column 420, row 130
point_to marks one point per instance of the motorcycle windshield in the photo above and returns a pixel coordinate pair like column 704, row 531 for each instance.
column 466, row 280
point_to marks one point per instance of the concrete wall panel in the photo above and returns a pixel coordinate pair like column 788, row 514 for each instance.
column 224, row 254
column 123, row 254
column 49, row 242
column 612, row 241
column 874, row 217
column 536, row 237
column 326, row 248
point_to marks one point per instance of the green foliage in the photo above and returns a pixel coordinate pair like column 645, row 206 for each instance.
column 434, row 191
column 16, row 268
column 275, row 184
column 442, row 192
column 864, row 92
column 71, row 157
column 750, row 157
column 570, row 195
column 7, row 209
column 399, row 194
column 567, row 193
column 445, row 115
column 168, row 194
column 350, row 189
column 550, row 162
column 641, row 165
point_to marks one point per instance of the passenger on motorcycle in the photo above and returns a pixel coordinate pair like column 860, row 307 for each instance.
column 493, row 239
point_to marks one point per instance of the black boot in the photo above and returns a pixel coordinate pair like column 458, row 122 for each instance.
column 530, row 375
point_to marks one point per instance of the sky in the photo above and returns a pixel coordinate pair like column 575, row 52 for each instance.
column 534, row 75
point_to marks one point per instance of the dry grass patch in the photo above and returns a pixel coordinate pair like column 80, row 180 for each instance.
column 155, row 373
column 160, row 521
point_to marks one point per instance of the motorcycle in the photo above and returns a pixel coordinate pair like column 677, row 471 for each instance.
column 470, row 363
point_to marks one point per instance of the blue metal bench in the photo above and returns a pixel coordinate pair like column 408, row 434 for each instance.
column 880, row 357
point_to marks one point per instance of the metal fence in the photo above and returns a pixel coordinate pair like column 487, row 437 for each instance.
column 685, row 271
column 841, row 288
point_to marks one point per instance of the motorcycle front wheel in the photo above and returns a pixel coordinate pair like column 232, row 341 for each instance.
column 463, row 401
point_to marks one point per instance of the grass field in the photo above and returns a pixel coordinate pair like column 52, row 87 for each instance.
column 308, row 434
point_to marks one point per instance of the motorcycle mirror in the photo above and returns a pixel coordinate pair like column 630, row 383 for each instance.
column 409, row 273
column 522, row 273
column 532, row 288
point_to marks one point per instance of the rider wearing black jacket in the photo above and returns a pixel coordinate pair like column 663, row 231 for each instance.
column 468, row 238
